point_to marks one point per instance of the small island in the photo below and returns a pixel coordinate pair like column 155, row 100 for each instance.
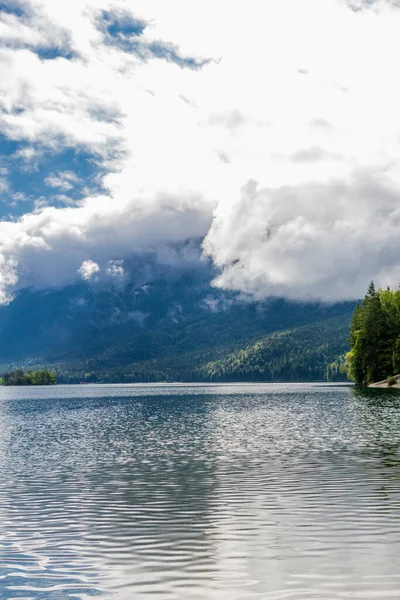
column 374, row 357
column 18, row 377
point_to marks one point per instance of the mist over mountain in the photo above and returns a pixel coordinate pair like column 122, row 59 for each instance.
column 156, row 322
column 99, row 309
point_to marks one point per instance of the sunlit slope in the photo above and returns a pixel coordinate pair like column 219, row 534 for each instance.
column 301, row 353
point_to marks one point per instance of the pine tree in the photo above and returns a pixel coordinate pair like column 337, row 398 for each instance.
column 374, row 332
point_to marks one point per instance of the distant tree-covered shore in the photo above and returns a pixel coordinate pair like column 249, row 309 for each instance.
column 312, row 352
column 375, row 337
column 18, row 377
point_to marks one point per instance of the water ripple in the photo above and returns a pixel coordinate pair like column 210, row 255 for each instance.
column 199, row 492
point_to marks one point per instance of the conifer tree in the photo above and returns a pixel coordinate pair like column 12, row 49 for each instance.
column 375, row 337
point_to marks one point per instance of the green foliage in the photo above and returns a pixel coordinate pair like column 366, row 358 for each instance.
column 273, row 341
column 396, row 356
column 392, row 381
column 375, row 337
column 18, row 377
column 302, row 354
column 312, row 352
column 337, row 370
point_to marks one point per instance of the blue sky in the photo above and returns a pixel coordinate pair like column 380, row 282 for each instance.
column 61, row 178
column 37, row 175
column 267, row 129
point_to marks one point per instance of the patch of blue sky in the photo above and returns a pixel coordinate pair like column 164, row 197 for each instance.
column 146, row 50
column 125, row 32
column 37, row 177
column 12, row 8
column 171, row 53
column 24, row 13
column 121, row 24
column 53, row 52
column 46, row 52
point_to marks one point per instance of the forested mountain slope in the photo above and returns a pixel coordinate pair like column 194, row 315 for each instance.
column 306, row 353
column 303, row 353
column 169, row 324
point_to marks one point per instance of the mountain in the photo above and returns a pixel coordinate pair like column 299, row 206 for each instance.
column 168, row 323
column 305, row 353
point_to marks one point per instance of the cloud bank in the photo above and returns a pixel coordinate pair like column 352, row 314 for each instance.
column 270, row 130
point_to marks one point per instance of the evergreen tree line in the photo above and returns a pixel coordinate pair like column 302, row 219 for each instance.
column 310, row 353
column 18, row 377
column 375, row 337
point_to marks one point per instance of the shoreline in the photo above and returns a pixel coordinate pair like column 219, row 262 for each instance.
column 385, row 383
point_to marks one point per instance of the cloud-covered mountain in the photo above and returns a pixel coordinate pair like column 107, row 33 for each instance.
column 268, row 130
column 167, row 323
column 103, row 308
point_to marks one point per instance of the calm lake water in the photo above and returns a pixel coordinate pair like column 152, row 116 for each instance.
column 199, row 492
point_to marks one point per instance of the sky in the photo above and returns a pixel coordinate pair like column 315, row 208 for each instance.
column 268, row 129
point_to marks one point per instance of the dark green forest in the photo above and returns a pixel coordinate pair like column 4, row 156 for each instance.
column 250, row 343
column 18, row 377
column 375, row 337
column 312, row 352
column 307, row 353
column 172, row 327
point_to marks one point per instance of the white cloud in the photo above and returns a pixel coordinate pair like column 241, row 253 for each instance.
column 4, row 183
column 64, row 180
column 316, row 240
column 4, row 186
column 88, row 269
column 115, row 268
column 296, row 98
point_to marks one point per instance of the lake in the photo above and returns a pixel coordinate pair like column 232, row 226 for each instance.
column 192, row 492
